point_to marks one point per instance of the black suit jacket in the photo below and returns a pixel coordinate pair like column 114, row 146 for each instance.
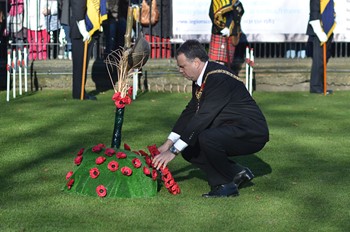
column 225, row 101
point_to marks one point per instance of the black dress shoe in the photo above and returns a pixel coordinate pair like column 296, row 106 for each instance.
column 90, row 97
column 328, row 91
column 224, row 190
column 243, row 177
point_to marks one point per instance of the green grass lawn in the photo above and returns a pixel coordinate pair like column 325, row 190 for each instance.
column 301, row 184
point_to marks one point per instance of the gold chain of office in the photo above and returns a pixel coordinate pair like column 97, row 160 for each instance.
column 200, row 90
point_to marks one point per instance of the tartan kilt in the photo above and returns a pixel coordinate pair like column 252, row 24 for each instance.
column 221, row 49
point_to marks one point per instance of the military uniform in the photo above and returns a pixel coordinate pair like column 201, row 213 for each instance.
column 224, row 14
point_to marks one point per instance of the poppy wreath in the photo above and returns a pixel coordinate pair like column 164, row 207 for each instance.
column 167, row 177
column 118, row 173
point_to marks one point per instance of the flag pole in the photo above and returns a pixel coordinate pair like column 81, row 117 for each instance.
column 84, row 71
column 324, row 68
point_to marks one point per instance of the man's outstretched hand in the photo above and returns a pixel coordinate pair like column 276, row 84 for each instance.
column 162, row 159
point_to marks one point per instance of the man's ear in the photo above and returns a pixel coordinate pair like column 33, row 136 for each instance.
column 197, row 62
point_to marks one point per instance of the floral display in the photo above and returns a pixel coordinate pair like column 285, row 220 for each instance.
column 126, row 174
column 114, row 172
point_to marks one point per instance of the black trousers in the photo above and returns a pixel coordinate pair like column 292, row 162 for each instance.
column 317, row 69
column 212, row 151
column 78, row 60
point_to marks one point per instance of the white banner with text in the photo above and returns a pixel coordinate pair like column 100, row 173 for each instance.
column 263, row 21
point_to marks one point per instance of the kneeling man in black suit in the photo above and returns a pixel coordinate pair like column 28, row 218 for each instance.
column 220, row 121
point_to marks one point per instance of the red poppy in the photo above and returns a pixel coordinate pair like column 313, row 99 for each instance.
column 167, row 177
column 68, row 175
column 153, row 150
column 98, row 147
column 80, row 152
column 119, row 104
column 113, row 166
column 137, row 153
column 116, row 96
column 109, row 152
column 126, row 171
column 136, row 162
column 169, row 183
column 70, row 183
column 119, row 101
column 94, row 173
column 130, row 91
column 99, row 160
column 146, row 171
column 165, row 171
column 101, row 191
column 127, row 100
column 143, row 153
column 121, row 155
column 174, row 189
column 127, row 147
column 101, row 145
column 154, row 174
column 78, row 160
column 148, row 161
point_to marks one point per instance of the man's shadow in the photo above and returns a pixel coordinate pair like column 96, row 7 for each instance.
column 101, row 77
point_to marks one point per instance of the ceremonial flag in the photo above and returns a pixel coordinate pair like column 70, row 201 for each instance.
column 96, row 13
column 327, row 16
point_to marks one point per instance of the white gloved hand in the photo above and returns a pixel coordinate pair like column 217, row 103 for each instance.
column 82, row 30
column 225, row 32
column 316, row 25
column 62, row 37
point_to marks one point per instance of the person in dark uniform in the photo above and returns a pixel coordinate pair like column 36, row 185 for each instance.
column 79, row 35
column 226, row 29
column 115, row 26
column 220, row 121
column 317, row 36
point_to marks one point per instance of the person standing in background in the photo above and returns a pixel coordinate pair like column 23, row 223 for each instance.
column 159, row 33
column 64, row 37
column 320, row 31
column 36, row 24
column 50, row 12
column 226, row 29
column 115, row 26
column 79, row 35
